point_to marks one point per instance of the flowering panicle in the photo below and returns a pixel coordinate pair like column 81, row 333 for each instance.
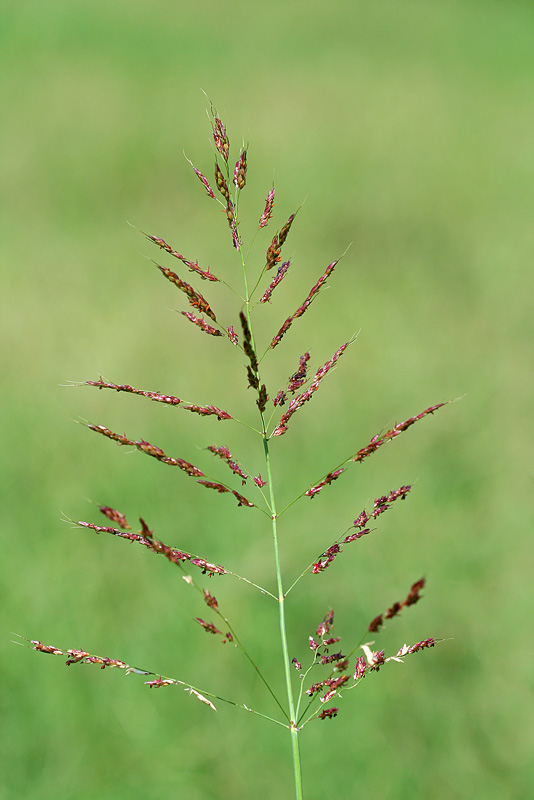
column 397, row 429
column 300, row 399
column 268, row 211
column 202, row 324
column 192, row 265
column 305, row 305
column 225, row 455
column 253, row 367
column 209, row 190
column 274, row 249
column 412, row 598
column 149, row 449
column 195, row 298
column 146, row 538
column 282, row 269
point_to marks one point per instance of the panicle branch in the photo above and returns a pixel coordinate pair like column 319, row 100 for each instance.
column 253, row 367
column 204, row 181
column 146, row 538
column 204, row 411
column 192, row 265
column 305, row 305
column 397, row 429
column 282, row 269
column 202, row 324
column 300, row 399
column 149, row 449
column 225, row 455
column 413, row 597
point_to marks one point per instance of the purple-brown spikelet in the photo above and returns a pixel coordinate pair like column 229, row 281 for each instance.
column 195, row 298
column 280, row 399
column 232, row 222
column 207, row 411
column 221, row 488
column 202, row 324
column 282, row 270
column 258, row 480
column 124, row 387
column 328, row 713
column 412, row 598
column 209, row 627
column 220, row 137
column 192, row 265
column 204, row 180
column 115, row 516
column 305, row 305
column 299, row 377
column 326, row 625
column 332, row 476
column 220, row 182
column 397, row 429
column 272, row 256
column 303, row 398
column 225, row 455
column 268, row 211
column 210, row 600
column 240, row 170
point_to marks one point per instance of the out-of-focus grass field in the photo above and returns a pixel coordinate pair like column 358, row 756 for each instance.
column 407, row 128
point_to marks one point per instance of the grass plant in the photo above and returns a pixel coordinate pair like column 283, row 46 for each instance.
column 313, row 688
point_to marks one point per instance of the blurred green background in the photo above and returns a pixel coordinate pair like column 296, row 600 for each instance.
column 407, row 129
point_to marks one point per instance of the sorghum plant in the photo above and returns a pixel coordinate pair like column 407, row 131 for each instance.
column 331, row 669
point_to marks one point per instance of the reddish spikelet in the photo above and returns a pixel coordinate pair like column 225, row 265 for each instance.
column 115, row 437
column 299, row 377
column 332, row 476
column 332, row 658
column 242, row 501
column 296, row 664
column 376, row 624
column 280, row 399
column 326, row 559
column 353, row 536
column 240, row 170
column 361, row 666
column 268, row 211
column 282, row 269
column 326, row 625
column 210, row 600
column 300, row 399
column 124, row 387
column 115, row 516
column 209, row 627
column 328, row 713
column 220, row 182
column 219, row 487
column 379, row 440
column 225, row 455
column 202, row 324
column 220, row 137
column 207, row 567
column 206, row 411
column 195, row 298
column 204, row 181
column 413, row 597
column 258, row 480
column 273, row 252
column 305, row 305
column 232, row 222
column 192, row 265
column 232, row 335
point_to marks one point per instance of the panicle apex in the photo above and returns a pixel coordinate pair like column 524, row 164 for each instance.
column 268, row 211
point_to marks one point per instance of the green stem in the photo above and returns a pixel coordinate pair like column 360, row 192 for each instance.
column 297, row 770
